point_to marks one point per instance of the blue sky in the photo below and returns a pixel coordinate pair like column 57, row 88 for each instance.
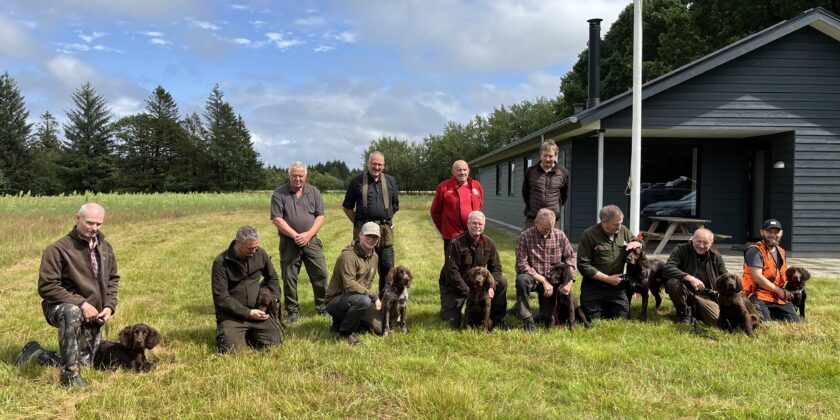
column 314, row 80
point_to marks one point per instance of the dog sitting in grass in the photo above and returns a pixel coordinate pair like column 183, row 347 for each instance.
column 736, row 312
column 563, row 309
column 270, row 304
column 394, row 298
column 796, row 278
column 477, row 312
column 130, row 351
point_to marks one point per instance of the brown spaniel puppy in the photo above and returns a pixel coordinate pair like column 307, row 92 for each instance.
column 394, row 299
column 796, row 278
column 270, row 304
column 644, row 275
column 129, row 352
column 735, row 310
column 477, row 311
column 563, row 309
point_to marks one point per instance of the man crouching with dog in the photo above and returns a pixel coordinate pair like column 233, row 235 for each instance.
column 78, row 282
column 691, row 271
column 467, row 250
column 236, row 285
column 538, row 249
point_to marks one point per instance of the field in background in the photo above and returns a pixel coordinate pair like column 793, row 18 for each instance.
column 165, row 244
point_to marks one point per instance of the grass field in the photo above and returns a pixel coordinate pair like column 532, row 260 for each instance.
column 165, row 245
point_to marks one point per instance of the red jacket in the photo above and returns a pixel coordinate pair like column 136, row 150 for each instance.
column 446, row 206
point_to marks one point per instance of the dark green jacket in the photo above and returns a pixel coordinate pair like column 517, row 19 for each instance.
column 683, row 260
column 353, row 272
column 461, row 256
column 597, row 253
column 66, row 274
column 236, row 283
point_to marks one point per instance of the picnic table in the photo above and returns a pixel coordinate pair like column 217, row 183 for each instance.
column 677, row 230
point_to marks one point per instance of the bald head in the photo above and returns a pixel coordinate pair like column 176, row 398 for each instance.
column 89, row 220
column 461, row 171
column 702, row 240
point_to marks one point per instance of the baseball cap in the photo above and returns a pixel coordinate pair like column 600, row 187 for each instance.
column 370, row 228
column 771, row 224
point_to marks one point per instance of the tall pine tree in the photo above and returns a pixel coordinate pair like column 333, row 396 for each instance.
column 234, row 164
column 45, row 148
column 14, row 133
column 90, row 145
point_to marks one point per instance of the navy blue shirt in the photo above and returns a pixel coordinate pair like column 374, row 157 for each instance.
column 376, row 205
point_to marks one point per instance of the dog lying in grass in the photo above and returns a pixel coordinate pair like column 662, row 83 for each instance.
column 796, row 278
column 477, row 311
column 735, row 310
column 564, row 309
column 270, row 304
column 644, row 275
column 129, row 352
column 394, row 298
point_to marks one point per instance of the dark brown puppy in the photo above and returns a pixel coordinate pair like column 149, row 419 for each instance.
column 644, row 275
column 735, row 310
column 394, row 299
column 564, row 309
column 477, row 311
column 129, row 352
column 270, row 304
column 796, row 278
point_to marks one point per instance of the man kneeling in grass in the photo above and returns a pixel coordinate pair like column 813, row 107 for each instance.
column 236, row 284
column 350, row 299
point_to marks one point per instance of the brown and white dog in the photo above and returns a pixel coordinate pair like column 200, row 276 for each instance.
column 735, row 310
column 796, row 278
column 564, row 309
column 477, row 312
column 394, row 298
column 644, row 275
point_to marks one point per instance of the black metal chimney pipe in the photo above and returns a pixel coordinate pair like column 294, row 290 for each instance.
column 594, row 81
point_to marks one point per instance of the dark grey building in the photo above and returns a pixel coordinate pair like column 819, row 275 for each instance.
column 748, row 132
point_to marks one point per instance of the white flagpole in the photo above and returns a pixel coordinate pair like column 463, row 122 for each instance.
column 636, row 144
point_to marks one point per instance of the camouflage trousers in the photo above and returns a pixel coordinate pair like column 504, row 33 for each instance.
column 77, row 339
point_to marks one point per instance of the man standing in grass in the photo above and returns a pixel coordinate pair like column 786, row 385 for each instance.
column 373, row 197
column 691, row 271
column 545, row 185
column 235, row 285
column 298, row 212
column 454, row 199
column 602, row 252
column 764, row 275
column 538, row 249
column 78, row 282
column 468, row 250
column 350, row 296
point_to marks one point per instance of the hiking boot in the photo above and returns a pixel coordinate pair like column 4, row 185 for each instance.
column 528, row 325
column 684, row 316
column 501, row 326
column 73, row 381
column 322, row 312
column 292, row 317
column 352, row 340
column 30, row 351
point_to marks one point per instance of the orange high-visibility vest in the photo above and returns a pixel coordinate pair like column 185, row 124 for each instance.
column 775, row 274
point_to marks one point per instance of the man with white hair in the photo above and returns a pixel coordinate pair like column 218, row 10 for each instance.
column 297, row 210
column 691, row 271
column 454, row 199
column 78, row 282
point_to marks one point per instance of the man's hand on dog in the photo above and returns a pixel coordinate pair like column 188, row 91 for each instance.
column 632, row 245
column 258, row 315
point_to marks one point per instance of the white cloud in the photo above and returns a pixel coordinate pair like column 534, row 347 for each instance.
column 323, row 48
column 16, row 40
column 123, row 106
column 146, row 9
column 103, row 48
column 346, row 36
column 311, row 21
column 258, row 24
column 89, row 38
column 279, row 41
column 160, row 41
column 31, row 24
column 71, row 47
column 154, row 34
column 240, row 7
column 466, row 37
column 70, row 71
column 241, row 41
column 202, row 24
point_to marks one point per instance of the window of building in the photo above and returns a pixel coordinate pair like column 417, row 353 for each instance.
column 669, row 181
column 511, row 172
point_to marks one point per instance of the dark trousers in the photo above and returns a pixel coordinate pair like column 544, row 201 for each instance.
column 774, row 312
column 234, row 335
column 525, row 284
column 386, row 263
column 354, row 313
column 311, row 256
column 702, row 306
column 452, row 302
column 600, row 300
column 77, row 339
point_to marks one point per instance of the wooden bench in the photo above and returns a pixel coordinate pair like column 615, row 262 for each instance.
column 677, row 230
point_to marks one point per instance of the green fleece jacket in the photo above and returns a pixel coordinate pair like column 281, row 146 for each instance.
column 683, row 260
column 353, row 272
column 597, row 253
column 236, row 283
column 66, row 274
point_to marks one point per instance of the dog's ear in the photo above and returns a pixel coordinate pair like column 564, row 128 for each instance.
column 739, row 286
column 125, row 336
column 389, row 279
column 805, row 275
column 152, row 338
column 491, row 282
column 410, row 278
